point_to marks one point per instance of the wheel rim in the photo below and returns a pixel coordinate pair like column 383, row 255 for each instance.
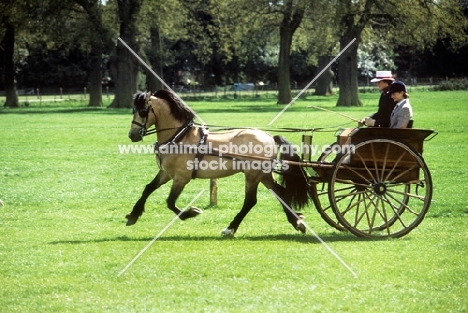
column 319, row 193
column 382, row 190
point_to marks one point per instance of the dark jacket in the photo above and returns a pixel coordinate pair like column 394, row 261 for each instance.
column 386, row 105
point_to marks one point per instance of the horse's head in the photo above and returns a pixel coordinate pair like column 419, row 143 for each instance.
column 164, row 107
column 142, row 117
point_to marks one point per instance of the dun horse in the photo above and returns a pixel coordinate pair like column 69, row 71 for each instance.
column 183, row 147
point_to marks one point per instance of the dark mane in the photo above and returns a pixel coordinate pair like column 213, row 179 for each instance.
column 178, row 109
column 139, row 100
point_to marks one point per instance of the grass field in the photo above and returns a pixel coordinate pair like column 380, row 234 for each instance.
column 66, row 190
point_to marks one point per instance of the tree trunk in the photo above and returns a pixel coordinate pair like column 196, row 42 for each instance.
column 8, row 44
column 284, row 79
column 95, row 75
column 347, row 74
column 292, row 18
column 325, row 81
column 153, row 83
column 126, row 66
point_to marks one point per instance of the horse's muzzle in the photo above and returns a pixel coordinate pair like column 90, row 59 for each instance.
column 136, row 134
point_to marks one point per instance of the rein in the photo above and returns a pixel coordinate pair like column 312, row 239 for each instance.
column 278, row 130
column 181, row 131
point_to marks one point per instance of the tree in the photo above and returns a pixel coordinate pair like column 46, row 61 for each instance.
column 317, row 36
column 415, row 24
column 156, row 30
column 353, row 16
column 325, row 81
column 14, row 16
column 291, row 19
column 93, row 9
column 125, row 65
column 7, row 45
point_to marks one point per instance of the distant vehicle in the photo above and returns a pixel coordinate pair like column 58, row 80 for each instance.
column 29, row 91
column 243, row 87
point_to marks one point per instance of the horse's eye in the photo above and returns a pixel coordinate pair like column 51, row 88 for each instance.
column 143, row 113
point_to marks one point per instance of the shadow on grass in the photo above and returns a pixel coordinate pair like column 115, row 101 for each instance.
column 307, row 238
column 65, row 110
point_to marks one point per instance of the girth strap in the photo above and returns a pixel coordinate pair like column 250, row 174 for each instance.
column 204, row 134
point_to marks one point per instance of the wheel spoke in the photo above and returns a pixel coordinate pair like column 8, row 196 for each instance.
column 395, row 166
column 396, row 212
column 358, row 216
column 356, row 204
column 371, row 220
column 383, row 215
column 384, row 165
column 405, row 172
column 406, row 206
column 366, row 168
column 340, row 197
column 356, row 173
column 412, row 195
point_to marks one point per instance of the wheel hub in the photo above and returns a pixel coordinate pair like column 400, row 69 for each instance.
column 380, row 188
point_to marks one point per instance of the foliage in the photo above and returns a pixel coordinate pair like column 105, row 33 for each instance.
column 454, row 84
column 66, row 190
column 222, row 42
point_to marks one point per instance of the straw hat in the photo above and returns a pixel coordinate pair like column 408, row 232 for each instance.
column 382, row 75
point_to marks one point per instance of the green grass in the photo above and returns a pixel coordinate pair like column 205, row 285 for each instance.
column 67, row 189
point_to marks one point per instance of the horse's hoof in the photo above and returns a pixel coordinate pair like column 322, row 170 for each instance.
column 301, row 226
column 228, row 232
column 131, row 220
column 194, row 211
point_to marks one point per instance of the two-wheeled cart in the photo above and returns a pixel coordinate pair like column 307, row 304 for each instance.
column 372, row 182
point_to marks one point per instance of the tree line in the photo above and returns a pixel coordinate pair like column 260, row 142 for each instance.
column 218, row 42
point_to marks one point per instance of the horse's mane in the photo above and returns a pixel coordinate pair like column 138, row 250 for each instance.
column 178, row 109
column 139, row 100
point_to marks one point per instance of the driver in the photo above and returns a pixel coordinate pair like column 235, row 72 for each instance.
column 381, row 118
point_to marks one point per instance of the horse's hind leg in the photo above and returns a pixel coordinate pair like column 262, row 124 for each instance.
column 139, row 207
column 249, row 202
column 294, row 218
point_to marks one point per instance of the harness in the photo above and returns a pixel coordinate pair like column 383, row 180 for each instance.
column 180, row 133
column 203, row 135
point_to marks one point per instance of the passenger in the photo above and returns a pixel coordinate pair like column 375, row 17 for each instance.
column 402, row 115
column 381, row 118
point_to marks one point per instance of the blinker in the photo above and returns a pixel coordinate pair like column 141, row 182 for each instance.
column 143, row 112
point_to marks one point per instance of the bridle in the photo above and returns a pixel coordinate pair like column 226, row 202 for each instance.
column 144, row 113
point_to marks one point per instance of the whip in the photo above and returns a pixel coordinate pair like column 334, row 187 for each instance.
column 326, row 110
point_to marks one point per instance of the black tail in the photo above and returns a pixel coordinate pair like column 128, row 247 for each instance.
column 293, row 178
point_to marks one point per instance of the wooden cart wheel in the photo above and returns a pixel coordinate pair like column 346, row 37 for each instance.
column 382, row 190
column 319, row 193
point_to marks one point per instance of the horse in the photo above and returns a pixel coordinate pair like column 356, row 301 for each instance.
column 182, row 148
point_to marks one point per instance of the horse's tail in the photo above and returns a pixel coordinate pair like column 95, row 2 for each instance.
column 293, row 177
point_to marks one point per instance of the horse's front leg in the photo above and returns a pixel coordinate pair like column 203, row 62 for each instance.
column 176, row 190
column 139, row 207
